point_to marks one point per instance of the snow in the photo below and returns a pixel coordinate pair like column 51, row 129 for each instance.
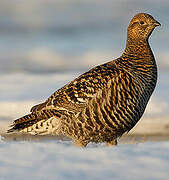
column 61, row 160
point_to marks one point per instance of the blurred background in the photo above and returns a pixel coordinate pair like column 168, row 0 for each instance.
column 46, row 43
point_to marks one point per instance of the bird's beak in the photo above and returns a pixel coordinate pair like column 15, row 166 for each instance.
column 156, row 23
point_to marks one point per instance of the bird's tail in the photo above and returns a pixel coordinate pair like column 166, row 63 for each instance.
column 34, row 118
column 25, row 122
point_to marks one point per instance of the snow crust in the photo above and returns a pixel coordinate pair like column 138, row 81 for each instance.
column 57, row 160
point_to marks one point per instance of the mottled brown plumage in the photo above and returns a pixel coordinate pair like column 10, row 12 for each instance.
column 105, row 102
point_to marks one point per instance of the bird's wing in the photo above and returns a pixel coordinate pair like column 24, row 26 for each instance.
column 76, row 95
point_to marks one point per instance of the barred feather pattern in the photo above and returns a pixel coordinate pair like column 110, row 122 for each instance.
column 101, row 104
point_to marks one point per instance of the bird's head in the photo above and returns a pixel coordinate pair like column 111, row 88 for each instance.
column 141, row 27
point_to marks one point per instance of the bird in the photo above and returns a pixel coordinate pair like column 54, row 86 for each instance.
column 102, row 104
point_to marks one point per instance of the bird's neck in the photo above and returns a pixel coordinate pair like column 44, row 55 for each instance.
column 139, row 51
column 136, row 48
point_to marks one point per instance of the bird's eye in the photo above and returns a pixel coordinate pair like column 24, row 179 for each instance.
column 141, row 22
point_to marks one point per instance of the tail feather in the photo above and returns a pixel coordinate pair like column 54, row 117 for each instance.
column 33, row 118
column 24, row 122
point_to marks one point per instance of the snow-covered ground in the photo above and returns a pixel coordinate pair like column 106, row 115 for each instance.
column 61, row 160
